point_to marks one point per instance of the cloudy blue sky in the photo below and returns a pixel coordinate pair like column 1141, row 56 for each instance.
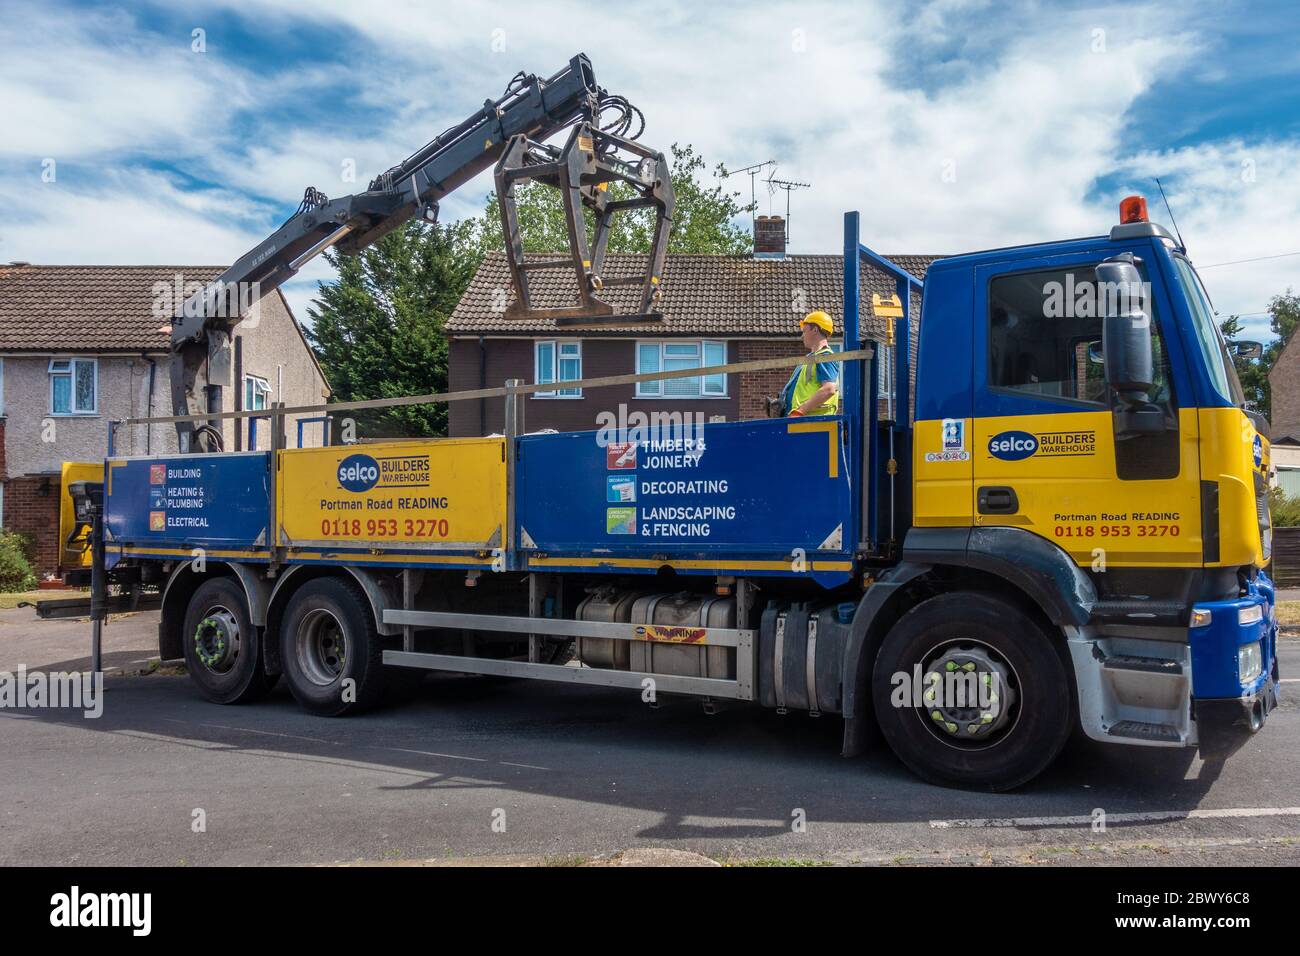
column 952, row 125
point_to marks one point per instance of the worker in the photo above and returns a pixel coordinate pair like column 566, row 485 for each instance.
column 814, row 389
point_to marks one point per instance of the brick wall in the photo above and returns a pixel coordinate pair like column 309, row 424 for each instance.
column 755, row 387
column 29, row 511
column 513, row 358
column 3, row 473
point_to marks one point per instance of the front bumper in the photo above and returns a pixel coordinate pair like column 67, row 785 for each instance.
column 1227, row 710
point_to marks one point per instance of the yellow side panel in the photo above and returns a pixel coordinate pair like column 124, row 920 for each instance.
column 1069, row 491
column 1228, row 457
column 74, row 471
column 942, row 463
column 435, row 495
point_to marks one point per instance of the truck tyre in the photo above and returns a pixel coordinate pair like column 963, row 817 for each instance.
column 223, row 650
column 1005, row 733
column 330, row 649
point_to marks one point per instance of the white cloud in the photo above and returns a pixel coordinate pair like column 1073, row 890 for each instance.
column 81, row 84
column 133, row 216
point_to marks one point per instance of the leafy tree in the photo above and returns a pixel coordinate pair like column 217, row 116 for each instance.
column 378, row 329
column 703, row 215
column 1284, row 317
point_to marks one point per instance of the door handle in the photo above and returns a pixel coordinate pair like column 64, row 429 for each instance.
column 997, row 500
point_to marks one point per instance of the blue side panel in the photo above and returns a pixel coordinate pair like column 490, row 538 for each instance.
column 755, row 488
column 210, row 501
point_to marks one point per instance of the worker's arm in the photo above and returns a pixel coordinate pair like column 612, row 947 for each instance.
column 819, row 398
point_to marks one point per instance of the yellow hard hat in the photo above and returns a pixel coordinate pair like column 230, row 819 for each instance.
column 819, row 319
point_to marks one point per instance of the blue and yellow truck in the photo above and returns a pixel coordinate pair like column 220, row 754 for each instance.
column 1062, row 525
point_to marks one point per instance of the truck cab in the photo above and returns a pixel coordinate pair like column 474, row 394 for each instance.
column 1079, row 420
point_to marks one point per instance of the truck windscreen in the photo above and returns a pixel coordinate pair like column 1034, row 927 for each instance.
column 1214, row 351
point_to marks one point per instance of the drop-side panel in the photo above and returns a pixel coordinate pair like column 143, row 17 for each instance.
column 189, row 501
column 771, row 490
column 433, row 495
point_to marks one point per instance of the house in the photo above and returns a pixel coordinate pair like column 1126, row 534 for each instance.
column 81, row 346
column 1284, row 426
column 717, row 310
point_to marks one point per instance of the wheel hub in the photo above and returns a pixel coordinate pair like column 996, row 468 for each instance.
column 968, row 693
column 216, row 640
column 321, row 647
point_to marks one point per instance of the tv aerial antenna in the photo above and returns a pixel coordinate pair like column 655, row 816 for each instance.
column 753, row 172
column 789, row 186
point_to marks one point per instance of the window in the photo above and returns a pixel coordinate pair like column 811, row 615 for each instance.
column 1214, row 353
column 74, row 386
column 558, row 362
column 256, row 393
column 674, row 356
column 1045, row 336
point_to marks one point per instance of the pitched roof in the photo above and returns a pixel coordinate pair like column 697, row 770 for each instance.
column 81, row 308
column 710, row 294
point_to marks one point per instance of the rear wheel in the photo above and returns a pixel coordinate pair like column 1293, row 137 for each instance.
column 993, row 708
column 223, row 651
column 330, row 650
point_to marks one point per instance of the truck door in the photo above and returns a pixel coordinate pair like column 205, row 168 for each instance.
column 1046, row 458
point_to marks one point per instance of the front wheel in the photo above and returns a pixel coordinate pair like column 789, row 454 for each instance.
column 970, row 692
column 330, row 649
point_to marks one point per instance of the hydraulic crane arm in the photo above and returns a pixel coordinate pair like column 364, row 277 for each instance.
column 530, row 110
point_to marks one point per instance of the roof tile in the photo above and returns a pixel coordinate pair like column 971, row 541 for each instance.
column 711, row 294
column 76, row 308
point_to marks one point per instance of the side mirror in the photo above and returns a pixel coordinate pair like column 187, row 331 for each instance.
column 1126, row 344
column 1247, row 350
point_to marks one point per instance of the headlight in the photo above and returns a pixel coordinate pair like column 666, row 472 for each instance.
column 1250, row 615
column 1250, row 662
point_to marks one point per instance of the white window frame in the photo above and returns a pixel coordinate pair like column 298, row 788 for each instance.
column 70, row 372
column 259, row 385
column 655, row 389
column 557, row 349
column 2, row 387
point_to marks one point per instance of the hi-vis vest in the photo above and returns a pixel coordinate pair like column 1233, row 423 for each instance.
column 806, row 383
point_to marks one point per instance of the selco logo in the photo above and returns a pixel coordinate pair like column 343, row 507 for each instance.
column 358, row 473
column 1257, row 451
column 1012, row 446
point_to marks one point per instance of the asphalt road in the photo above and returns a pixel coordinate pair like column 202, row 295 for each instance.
column 568, row 773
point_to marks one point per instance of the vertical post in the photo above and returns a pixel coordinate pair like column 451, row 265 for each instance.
column 900, row 498
column 851, row 375
column 860, row 391
column 511, row 431
column 98, row 579
column 408, row 604
column 903, row 360
column 536, row 602
column 273, row 483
